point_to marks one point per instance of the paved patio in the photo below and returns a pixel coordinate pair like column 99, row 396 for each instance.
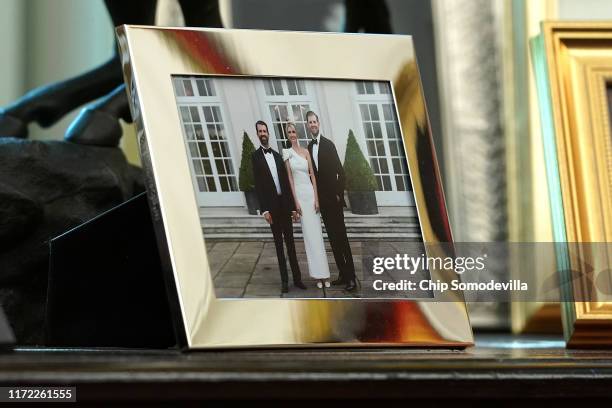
column 248, row 269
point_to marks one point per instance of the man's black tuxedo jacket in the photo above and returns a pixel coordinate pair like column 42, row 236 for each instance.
column 269, row 200
column 329, row 173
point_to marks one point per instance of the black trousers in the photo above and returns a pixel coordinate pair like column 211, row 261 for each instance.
column 282, row 229
column 333, row 218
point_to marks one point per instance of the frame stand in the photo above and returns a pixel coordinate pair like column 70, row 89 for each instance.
column 6, row 333
column 106, row 287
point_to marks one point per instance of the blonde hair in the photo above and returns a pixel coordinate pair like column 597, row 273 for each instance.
column 290, row 124
column 288, row 144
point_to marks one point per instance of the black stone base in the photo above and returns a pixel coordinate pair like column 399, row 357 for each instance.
column 47, row 188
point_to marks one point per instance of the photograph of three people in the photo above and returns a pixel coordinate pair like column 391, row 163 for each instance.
column 299, row 183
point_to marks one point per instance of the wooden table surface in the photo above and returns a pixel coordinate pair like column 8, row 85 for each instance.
column 499, row 366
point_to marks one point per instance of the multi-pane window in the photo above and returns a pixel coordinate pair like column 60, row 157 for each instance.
column 194, row 87
column 373, row 88
column 281, row 114
column 273, row 86
column 220, row 148
column 198, row 148
column 376, row 145
column 296, row 87
column 205, row 134
column 287, row 101
column 396, row 148
column 384, row 88
column 276, row 87
column 383, row 138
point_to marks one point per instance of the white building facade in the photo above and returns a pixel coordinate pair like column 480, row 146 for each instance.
column 215, row 113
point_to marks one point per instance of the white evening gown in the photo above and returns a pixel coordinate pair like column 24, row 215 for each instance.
column 311, row 220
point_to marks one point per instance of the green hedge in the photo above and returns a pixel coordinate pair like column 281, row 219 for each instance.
column 246, row 179
column 357, row 170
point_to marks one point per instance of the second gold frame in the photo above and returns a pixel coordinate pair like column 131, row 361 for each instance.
column 579, row 68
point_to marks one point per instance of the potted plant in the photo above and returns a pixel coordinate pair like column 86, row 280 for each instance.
column 360, row 180
column 246, row 179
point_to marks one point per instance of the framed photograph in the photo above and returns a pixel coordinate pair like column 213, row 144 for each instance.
column 285, row 172
column 573, row 67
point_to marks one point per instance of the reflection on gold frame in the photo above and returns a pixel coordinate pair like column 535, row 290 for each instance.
column 528, row 203
column 150, row 56
column 579, row 65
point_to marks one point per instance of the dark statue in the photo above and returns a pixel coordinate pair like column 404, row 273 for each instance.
column 97, row 124
column 47, row 188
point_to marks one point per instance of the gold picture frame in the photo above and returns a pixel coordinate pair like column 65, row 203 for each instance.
column 579, row 69
column 150, row 57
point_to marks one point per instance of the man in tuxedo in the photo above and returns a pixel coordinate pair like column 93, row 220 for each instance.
column 276, row 203
column 330, row 186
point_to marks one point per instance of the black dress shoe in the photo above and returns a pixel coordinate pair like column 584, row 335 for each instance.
column 285, row 288
column 351, row 285
column 299, row 285
column 339, row 282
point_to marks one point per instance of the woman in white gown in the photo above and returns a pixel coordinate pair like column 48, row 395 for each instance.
column 304, row 189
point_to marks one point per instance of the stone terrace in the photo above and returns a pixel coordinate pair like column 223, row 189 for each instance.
column 247, row 269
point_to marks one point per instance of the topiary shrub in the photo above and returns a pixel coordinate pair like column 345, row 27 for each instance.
column 357, row 171
column 246, row 179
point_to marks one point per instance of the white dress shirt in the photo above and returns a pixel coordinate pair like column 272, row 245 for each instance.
column 315, row 150
column 273, row 170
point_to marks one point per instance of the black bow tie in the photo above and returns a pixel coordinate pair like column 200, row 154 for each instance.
column 314, row 142
column 266, row 151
